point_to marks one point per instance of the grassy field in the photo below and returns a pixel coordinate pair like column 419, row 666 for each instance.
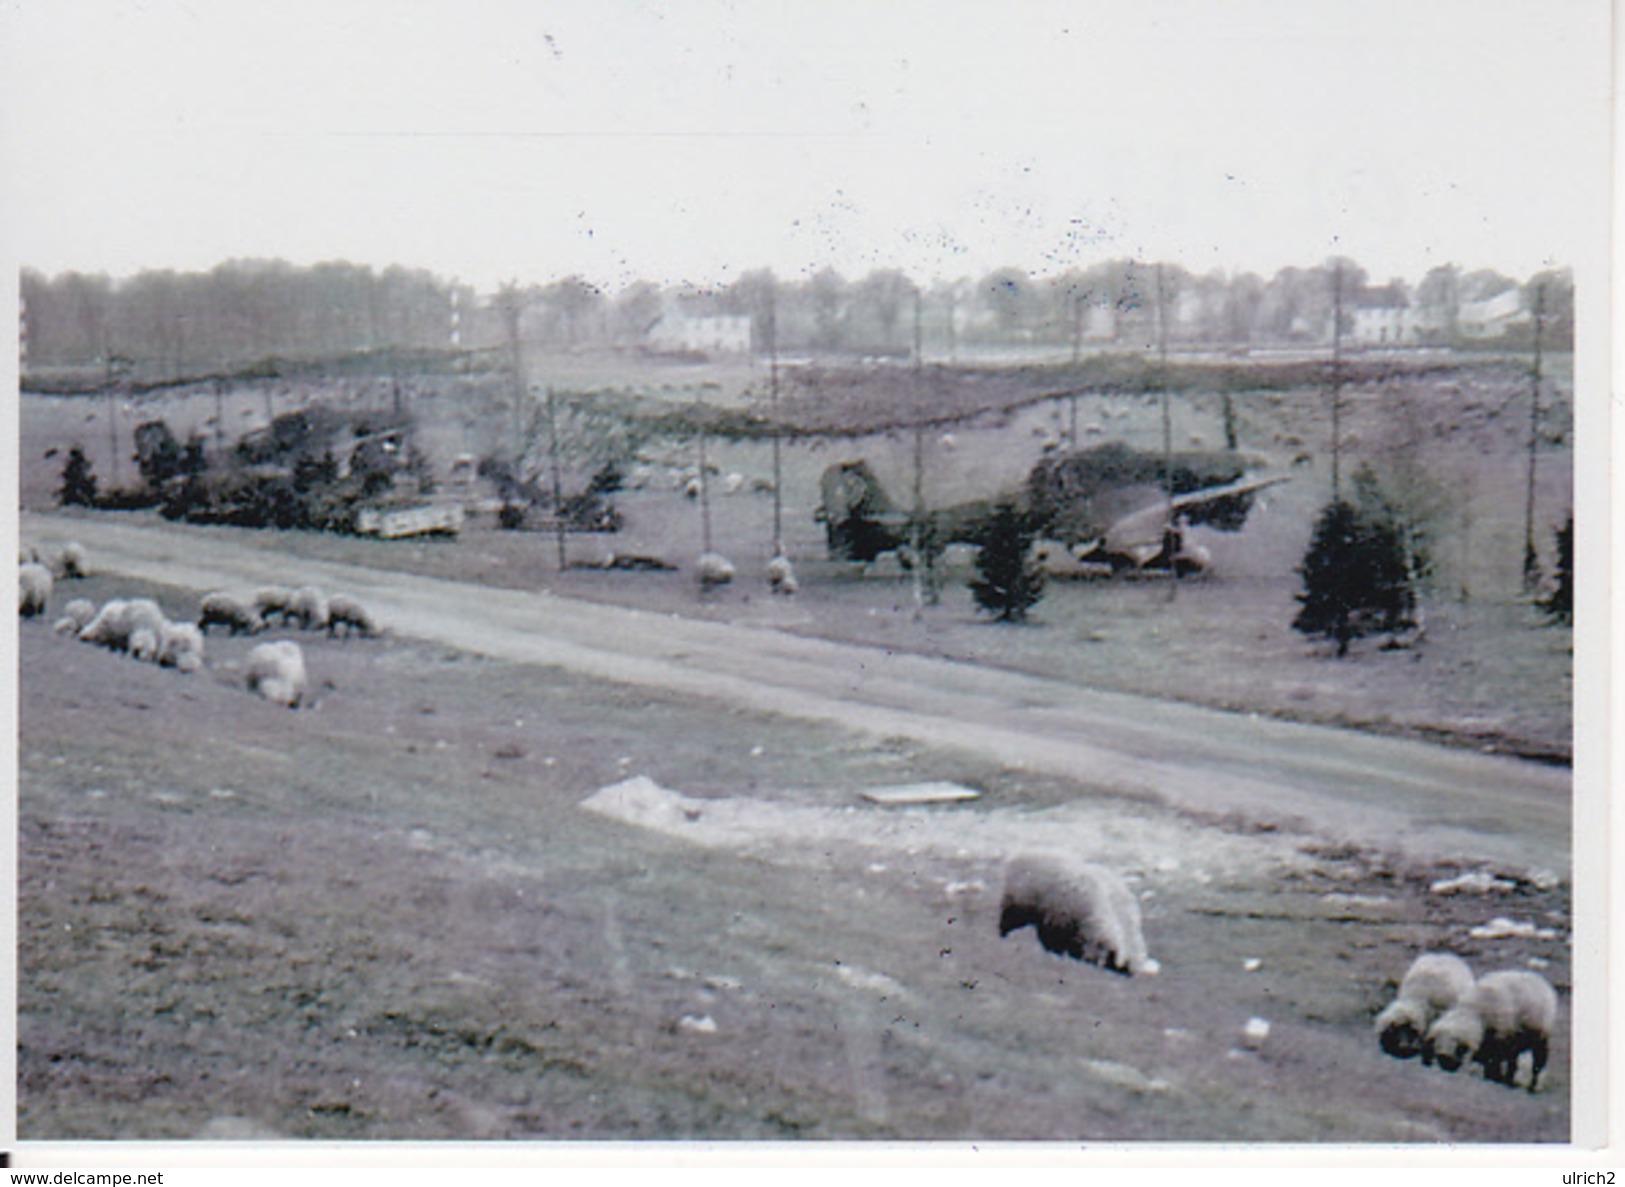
column 1488, row 671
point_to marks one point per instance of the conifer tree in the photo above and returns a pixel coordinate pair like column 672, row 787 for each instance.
column 1357, row 579
column 78, row 482
column 1559, row 603
column 1009, row 581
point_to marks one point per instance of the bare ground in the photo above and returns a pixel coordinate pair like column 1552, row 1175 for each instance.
column 389, row 916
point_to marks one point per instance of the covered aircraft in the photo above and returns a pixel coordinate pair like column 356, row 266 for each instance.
column 1108, row 505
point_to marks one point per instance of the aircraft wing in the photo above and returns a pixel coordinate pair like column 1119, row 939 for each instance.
column 1138, row 535
column 1212, row 494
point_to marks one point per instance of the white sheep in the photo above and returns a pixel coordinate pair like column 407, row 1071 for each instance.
column 70, row 562
column 144, row 644
column 180, row 646
column 107, row 627
column 277, row 672
column 713, row 569
column 781, row 575
column 1078, row 909
column 308, row 608
column 223, row 609
column 1506, row 1014
column 34, row 585
column 273, row 599
column 118, row 620
column 76, row 615
column 345, row 611
column 1434, row 982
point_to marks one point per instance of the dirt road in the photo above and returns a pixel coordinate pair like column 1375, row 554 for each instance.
column 1406, row 797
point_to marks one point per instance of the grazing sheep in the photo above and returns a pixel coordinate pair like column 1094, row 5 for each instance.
column 108, row 628
column 222, row 609
column 273, row 599
column 781, row 575
column 308, row 608
column 144, row 644
column 34, row 585
column 1434, row 982
column 1078, row 909
column 345, row 611
column 1506, row 1014
column 118, row 621
column 71, row 564
column 180, row 646
column 714, row 569
column 76, row 615
column 277, row 672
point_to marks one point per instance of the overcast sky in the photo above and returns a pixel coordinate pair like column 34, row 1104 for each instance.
column 488, row 139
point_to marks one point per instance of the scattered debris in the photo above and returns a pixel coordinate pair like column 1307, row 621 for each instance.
column 1477, row 882
column 1254, row 1033
column 1501, row 929
column 920, row 793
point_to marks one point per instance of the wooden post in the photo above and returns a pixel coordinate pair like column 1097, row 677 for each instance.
column 558, row 480
column 1531, row 560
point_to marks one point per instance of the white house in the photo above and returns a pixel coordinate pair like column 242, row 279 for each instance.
column 1493, row 317
column 677, row 333
column 1381, row 317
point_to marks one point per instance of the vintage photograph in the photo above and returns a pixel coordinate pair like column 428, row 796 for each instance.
column 808, row 573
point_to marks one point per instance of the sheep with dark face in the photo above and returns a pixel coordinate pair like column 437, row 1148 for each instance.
column 277, row 672
column 34, row 585
column 144, row 644
column 1434, row 982
column 180, row 646
column 71, row 563
column 1078, row 909
column 345, row 611
column 223, row 609
column 309, row 608
column 1506, row 1014
column 272, row 600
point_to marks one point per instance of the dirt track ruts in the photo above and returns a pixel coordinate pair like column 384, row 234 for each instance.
column 1413, row 797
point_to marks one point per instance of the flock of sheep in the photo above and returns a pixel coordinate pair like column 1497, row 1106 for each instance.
column 1441, row 1012
column 139, row 628
column 1447, row 1017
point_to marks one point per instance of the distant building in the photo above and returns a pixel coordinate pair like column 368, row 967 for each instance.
column 677, row 333
column 1381, row 316
column 1493, row 317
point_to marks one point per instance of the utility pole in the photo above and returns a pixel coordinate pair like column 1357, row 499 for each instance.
column 917, row 519
column 772, row 329
column 705, row 477
column 116, row 385
column 1170, row 533
column 1531, row 562
column 1337, row 380
column 511, row 304
column 558, row 480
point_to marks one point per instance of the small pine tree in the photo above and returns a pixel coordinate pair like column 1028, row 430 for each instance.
column 1559, row 603
column 78, row 482
column 1357, row 579
column 1009, row 581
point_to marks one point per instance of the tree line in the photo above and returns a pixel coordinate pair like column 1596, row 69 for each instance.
column 166, row 324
